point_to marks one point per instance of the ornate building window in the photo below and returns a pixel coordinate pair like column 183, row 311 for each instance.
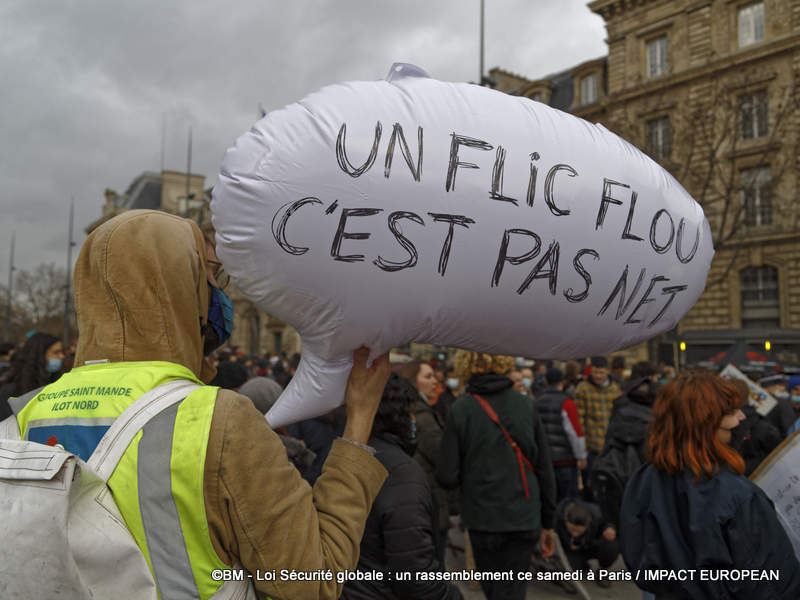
column 753, row 109
column 757, row 196
column 751, row 24
column 589, row 89
column 760, row 297
column 657, row 56
column 658, row 138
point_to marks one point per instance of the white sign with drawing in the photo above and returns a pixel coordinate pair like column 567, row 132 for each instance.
column 759, row 397
column 779, row 477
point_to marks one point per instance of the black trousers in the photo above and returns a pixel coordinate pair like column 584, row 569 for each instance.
column 503, row 552
column 603, row 550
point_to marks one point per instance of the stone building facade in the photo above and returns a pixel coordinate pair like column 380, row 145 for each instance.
column 709, row 90
column 255, row 332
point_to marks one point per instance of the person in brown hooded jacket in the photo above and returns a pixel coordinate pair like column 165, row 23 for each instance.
column 142, row 294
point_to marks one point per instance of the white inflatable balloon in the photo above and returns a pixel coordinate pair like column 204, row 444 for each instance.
column 380, row 213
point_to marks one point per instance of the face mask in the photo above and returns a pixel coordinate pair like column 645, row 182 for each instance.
column 54, row 365
column 452, row 383
column 220, row 320
column 796, row 398
column 781, row 395
column 526, row 381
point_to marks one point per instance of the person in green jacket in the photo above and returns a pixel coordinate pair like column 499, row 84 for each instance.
column 507, row 491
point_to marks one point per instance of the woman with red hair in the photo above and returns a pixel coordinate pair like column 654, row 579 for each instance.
column 691, row 508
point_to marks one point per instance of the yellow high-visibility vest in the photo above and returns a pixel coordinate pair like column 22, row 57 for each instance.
column 158, row 483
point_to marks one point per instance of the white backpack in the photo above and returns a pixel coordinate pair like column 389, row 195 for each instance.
column 62, row 533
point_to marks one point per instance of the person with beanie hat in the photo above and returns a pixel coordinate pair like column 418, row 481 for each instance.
column 263, row 392
column 782, row 415
column 230, row 376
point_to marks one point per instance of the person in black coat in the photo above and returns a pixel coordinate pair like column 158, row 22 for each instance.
column 691, row 508
column 755, row 437
column 400, row 535
column 585, row 534
column 38, row 363
column 632, row 411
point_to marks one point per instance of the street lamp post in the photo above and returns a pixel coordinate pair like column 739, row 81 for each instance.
column 8, row 290
column 68, row 283
column 480, row 77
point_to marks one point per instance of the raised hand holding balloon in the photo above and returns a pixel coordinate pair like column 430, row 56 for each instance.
column 379, row 213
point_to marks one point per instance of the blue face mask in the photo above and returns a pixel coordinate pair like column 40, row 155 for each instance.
column 54, row 365
column 526, row 381
column 796, row 398
column 220, row 314
column 781, row 395
column 452, row 383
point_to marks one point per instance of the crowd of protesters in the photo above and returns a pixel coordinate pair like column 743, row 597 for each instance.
column 529, row 456
column 521, row 454
column 582, row 430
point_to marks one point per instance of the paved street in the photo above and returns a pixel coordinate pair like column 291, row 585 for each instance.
column 540, row 590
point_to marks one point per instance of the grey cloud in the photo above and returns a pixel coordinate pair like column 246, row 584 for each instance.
column 87, row 83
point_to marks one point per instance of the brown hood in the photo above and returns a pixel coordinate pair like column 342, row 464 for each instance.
column 141, row 292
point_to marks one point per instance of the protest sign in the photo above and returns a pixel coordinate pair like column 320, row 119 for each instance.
column 380, row 213
column 760, row 398
column 779, row 477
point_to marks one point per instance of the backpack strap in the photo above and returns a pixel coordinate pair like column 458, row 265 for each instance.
column 113, row 444
column 521, row 458
column 18, row 403
column 9, row 428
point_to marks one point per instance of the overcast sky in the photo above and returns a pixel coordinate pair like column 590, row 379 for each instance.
column 87, row 84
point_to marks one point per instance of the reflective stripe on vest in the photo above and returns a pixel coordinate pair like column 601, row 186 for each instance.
column 158, row 482
column 162, row 526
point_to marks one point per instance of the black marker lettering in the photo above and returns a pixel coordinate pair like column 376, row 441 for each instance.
column 461, row 140
column 453, row 220
column 397, row 131
column 645, row 299
column 341, row 153
column 332, row 208
column 341, row 234
column 391, row 266
column 532, row 179
column 570, row 294
column 668, row 290
column 279, row 230
column 620, row 287
column 662, row 249
column 550, row 258
column 548, row 188
column 626, row 233
column 503, row 257
column 606, row 200
column 496, row 192
column 678, row 243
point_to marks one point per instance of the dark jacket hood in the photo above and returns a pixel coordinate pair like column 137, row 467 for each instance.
column 488, row 383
